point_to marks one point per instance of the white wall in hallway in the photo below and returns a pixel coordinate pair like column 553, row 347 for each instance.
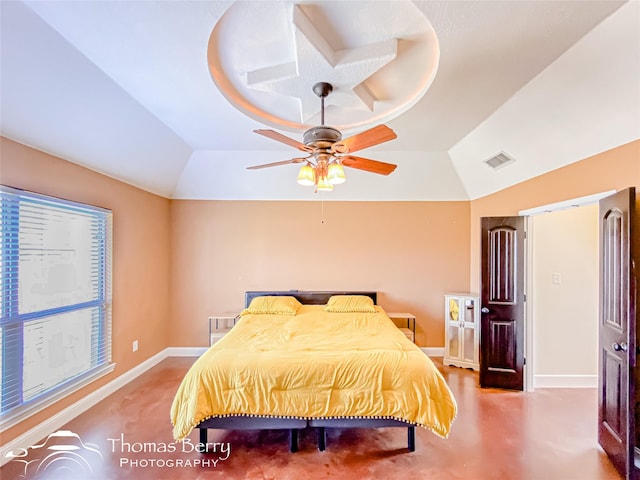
column 565, row 297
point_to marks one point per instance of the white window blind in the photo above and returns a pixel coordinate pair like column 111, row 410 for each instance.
column 55, row 299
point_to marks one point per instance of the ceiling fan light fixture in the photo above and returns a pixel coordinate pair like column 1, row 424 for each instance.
column 324, row 146
column 307, row 175
column 324, row 185
column 335, row 174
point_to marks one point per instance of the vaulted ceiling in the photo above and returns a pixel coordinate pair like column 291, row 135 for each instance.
column 165, row 95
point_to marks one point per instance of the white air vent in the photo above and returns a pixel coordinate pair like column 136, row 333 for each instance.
column 499, row 160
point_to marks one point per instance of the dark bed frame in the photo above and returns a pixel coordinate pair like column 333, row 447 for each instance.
column 294, row 425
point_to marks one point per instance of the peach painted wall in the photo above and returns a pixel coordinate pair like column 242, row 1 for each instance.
column 411, row 252
column 140, row 255
column 614, row 169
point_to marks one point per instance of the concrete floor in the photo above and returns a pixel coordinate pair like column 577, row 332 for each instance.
column 546, row 435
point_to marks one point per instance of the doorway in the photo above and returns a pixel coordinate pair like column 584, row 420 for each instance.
column 562, row 294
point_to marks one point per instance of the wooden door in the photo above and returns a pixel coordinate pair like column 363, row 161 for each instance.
column 502, row 312
column 617, row 330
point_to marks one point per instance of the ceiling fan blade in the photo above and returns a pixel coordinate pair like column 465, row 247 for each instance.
column 373, row 166
column 368, row 138
column 278, row 137
column 275, row 164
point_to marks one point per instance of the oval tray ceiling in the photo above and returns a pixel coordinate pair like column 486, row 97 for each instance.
column 265, row 58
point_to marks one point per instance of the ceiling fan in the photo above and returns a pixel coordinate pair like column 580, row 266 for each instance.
column 328, row 152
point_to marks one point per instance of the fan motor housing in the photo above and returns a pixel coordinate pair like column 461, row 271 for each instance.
column 321, row 137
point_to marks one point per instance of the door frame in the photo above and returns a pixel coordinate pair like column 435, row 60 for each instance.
column 529, row 324
column 529, row 314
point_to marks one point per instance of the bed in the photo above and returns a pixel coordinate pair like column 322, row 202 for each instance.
column 301, row 366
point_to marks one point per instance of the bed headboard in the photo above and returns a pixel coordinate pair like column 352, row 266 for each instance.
column 309, row 297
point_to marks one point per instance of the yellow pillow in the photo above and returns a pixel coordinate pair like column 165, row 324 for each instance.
column 350, row 303
column 284, row 305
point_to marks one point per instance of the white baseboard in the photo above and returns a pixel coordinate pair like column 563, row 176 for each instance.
column 185, row 351
column 565, row 381
column 63, row 417
column 433, row 351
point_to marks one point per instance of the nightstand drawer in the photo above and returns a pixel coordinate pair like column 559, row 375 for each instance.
column 219, row 326
column 409, row 334
column 408, row 324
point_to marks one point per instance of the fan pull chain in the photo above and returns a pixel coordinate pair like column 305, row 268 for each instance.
column 322, row 207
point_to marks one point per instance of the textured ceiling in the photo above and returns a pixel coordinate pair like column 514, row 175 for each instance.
column 165, row 95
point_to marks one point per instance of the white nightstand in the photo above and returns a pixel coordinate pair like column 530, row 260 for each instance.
column 409, row 319
column 220, row 325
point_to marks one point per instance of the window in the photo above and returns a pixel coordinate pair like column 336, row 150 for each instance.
column 55, row 300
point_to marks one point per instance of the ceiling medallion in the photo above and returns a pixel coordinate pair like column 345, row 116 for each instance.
column 380, row 57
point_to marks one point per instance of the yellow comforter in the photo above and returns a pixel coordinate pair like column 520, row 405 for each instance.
column 314, row 364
